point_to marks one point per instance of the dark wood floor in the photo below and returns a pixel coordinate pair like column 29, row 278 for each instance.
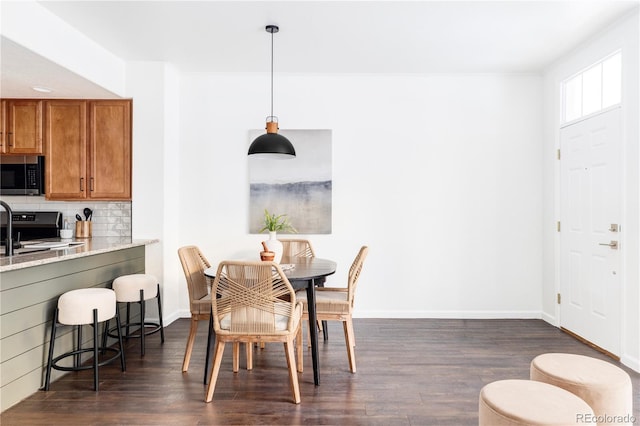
column 410, row 372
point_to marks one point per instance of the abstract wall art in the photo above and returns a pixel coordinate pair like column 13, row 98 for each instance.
column 300, row 187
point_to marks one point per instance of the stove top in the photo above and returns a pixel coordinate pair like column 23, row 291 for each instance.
column 31, row 225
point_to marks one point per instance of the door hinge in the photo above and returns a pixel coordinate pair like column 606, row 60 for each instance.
column 559, row 299
column 558, row 226
column 558, row 154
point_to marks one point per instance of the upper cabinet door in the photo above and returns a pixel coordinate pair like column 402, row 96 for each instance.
column 110, row 150
column 3, row 126
column 66, row 150
column 23, row 127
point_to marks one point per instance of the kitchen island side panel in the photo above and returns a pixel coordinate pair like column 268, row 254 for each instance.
column 28, row 298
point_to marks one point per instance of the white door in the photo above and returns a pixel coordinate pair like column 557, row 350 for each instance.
column 591, row 208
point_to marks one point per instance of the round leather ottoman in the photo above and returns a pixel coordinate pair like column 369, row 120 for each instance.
column 526, row 402
column 605, row 387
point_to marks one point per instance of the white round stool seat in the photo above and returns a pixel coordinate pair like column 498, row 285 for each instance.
column 604, row 386
column 76, row 307
column 526, row 402
column 127, row 287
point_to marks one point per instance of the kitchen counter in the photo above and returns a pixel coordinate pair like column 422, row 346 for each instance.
column 91, row 246
column 30, row 285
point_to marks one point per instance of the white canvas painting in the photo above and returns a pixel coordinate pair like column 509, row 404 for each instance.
column 299, row 187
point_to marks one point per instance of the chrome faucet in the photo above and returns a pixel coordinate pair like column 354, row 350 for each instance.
column 8, row 248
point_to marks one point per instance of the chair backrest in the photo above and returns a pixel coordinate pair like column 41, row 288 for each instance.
column 292, row 247
column 194, row 263
column 253, row 298
column 354, row 272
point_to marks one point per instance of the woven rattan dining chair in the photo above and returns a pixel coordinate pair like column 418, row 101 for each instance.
column 255, row 303
column 336, row 304
column 296, row 248
column 194, row 263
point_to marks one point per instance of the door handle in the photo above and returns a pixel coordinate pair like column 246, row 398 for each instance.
column 612, row 244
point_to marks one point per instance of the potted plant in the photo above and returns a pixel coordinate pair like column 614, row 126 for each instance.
column 275, row 223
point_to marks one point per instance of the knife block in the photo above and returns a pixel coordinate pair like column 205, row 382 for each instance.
column 83, row 229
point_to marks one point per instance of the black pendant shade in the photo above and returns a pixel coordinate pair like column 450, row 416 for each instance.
column 271, row 144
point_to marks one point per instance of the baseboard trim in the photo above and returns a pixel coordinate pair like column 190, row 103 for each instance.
column 450, row 314
column 550, row 319
column 631, row 362
column 168, row 319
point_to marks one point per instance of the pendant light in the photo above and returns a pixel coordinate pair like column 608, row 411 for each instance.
column 272, row 145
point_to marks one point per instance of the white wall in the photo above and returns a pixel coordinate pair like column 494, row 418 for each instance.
column 440, row 175
column 623, row 35
column 154, row 87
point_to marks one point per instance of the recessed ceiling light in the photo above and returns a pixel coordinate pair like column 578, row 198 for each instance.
column 42, row 89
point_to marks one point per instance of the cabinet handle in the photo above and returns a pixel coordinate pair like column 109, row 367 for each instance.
column 91, row 185
column 81, row 184
column 9, row 138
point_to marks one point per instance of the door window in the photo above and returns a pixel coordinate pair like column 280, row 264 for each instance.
column 593, row 89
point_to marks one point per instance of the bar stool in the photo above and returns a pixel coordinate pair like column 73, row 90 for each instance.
column 517, row 402
column 138, row 288
column 604, row 386
column 87, row 306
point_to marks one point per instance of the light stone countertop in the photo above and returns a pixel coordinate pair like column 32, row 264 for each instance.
column 91, row 246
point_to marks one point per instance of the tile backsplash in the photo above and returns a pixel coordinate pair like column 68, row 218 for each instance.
column 110, row 218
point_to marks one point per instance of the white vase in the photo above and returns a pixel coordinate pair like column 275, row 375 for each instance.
column 275, row 246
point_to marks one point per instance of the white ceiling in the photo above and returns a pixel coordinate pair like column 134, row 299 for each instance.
column 336, row 36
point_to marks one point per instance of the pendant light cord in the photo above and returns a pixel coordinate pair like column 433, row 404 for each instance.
column 271, row 75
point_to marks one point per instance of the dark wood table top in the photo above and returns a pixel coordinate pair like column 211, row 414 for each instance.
column 305, row 268
column 308, row 268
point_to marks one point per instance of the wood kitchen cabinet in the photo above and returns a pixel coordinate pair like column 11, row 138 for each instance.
column 21, row 126
column 88, row 150
column 65, row 132
column 3, row 124
column 110, row 150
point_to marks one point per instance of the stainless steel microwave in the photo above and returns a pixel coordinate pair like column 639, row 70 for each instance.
column 22, row 175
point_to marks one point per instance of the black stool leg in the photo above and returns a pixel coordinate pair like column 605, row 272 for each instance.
column 122, row 360
column 126, row 336
column 95, row 350
column 47, row 379
column 142, row 313
column 104, row 335
column 77, row 360
column 160, row 315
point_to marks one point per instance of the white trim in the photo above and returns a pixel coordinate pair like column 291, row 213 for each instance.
column 633, row 363
column 593, row 114
column 168, row 319
column 550, row 319
column 450, row 314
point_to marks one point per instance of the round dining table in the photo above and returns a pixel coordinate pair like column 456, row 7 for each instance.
column 303, row 273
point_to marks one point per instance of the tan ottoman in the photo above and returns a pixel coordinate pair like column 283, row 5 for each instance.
column 526, row 402
column 605, row 387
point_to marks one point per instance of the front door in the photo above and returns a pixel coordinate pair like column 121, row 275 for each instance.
column 590, row 237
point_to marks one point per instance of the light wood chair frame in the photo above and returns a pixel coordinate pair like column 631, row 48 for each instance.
column 193, row 264
column 252, row 296
column 330, row 310
column 296, row 247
